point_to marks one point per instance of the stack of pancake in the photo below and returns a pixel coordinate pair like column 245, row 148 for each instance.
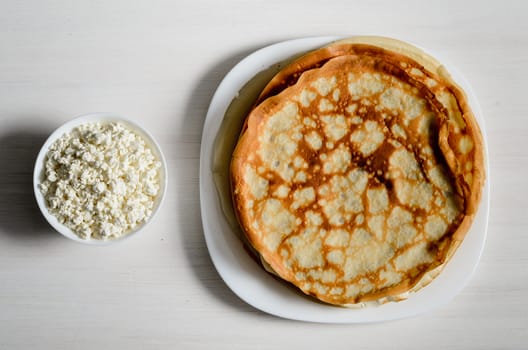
column 359, row 171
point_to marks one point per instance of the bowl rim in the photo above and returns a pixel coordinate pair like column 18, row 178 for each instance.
column 68, row 127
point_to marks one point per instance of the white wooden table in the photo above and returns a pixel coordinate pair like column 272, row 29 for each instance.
column 159, row 63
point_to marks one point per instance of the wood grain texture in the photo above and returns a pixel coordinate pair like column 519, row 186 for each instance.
column 159, row 62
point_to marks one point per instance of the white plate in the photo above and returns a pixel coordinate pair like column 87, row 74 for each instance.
column 258, row 288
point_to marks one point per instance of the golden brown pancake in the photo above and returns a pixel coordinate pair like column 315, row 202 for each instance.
column 359, row 171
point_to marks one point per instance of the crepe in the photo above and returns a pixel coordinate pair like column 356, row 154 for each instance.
column 359, row 171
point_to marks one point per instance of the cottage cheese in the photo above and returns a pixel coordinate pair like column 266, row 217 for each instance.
column 101, row 180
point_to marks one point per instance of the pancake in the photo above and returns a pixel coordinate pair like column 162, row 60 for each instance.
column 358, row 172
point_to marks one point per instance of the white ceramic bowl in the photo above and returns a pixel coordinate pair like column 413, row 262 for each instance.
column 38, row 174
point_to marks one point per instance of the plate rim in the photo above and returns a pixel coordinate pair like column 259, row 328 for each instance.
column 270, row 302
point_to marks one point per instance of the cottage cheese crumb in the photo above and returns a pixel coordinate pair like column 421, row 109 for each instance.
column 101, row 180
